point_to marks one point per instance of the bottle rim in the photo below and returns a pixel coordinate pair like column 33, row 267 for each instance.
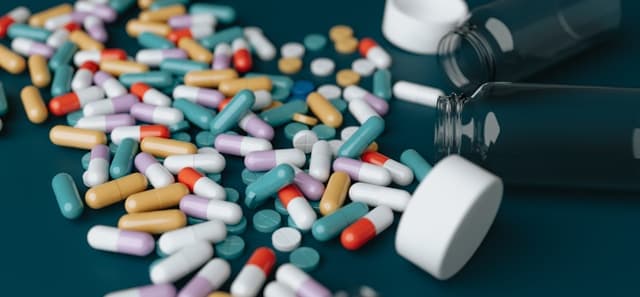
column 448, row 127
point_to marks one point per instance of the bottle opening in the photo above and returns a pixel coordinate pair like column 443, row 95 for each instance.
column 448, row 127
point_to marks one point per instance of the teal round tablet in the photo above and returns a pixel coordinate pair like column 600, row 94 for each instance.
column 292, row 128
column 232, row 194
column 194, row 221
column 305, row 258
column 205, row 138
column 231, row 248
column 266, row 220
column 182, row 136
column 315, row 42
column 216, row 177
column 324, row 132
column 280, row 208
column 85, row 160
column 249, row 176
column 238, row 228
column 339, row 104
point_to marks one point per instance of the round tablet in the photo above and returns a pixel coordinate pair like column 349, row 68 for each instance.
column 305, row 258
column 322, row 67
column 304, row 140
column 291, row 129
column 339, row 104
column 232, row 194
column 205, row 138
column 330, row 91
column 266, row 220
column 315, row 42
column 347, row 77
column 363, row 67
column 290, row 65
column 286, row 239
column 279, row 94
column 85, row 160
column 292, row 50
column 238, row 228
column 339, row 32
column 216, row 177
column 230, row 248
column 302, row 87
column 324, row 132
column 347, row 132
column 346, row 46
column 279, row 207
column 249, row 176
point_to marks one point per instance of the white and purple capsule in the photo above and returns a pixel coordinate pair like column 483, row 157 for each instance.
column 237, row 145
column 103, row 11
column 105, row 123
column 300, row 282
column 266, row 160
column 95, row 28
column 256, row 126
column 211, row 209
column 154, row 57
column 222, row 57
column 364, row 172
column 62, row 20
column 210, row 278
column 28, row 47
column 112, row 87
column 205, row 97
column 355, row 92
column 111, row 239
column 120, row 104
column 162, row 115
column 98, row 170
column 311, row 187
column 158, row 175
column 192, row 20
column 160, row 290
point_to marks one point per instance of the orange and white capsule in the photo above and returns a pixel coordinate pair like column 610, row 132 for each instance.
column 297, row 206
column 73, row 101
column 366, row 228
column 370, row 49
column 138, row 133
column 400, row 173
column 194, row 32
column 99, row 55
column 242, row 60
column 200, row 184
column 84, row 76
column 17, row 15
column 149, row 95
column 254, row 274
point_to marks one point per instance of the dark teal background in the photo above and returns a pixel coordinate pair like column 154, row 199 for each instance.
column 542, row 243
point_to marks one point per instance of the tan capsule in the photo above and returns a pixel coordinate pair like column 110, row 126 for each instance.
column 115, row 191
column 164, row 147
column 33, row 104
column 84, row 41
column 347, row 77
column 373, row 147
column 209, row 78
column 144, row 4
column 154, row 222
column 324, row 110
column 39, row 71
column 291, row 65
column 335, row 193
column 11, row 62
column 156, row 199
column 66, row 136
column 233, row 86
column 135, row 27
column 194, row 50
column 38, row 19
column 118, row 67
column 162, row 14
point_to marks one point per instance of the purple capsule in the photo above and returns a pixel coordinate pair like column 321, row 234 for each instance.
column 364, row 172
column 156, row 114
column 95, row 28
column 210, row 278
column 310, row 187
column 103, row 11
column 112, row 239
column 266, row 160
column 154, row 57
column 255, row 126
column 120, row 104
column 221, row 57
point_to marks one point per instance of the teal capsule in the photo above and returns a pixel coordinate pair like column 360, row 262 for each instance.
column 164, row 3
column 26, row 31
column 67, row 195
column 248, row 176
column 417, row 163
column 63, row 55
column 61, row 80
column 284, row 114
column 194, row 113
column 179, row 126
column 223, row 13
column 226, row 36
column 121, row 5
column 362, row 138
column 181, row 136
column 279, row 93
column 229, row 117
column 123, row 158
column 382, row 84
column 152, row 40
column 281, row 81
column 155, row 79
column 72, row 118
column 86, row 158
column 268, row 184
column 181, row 66
column 205, row 139
column 4, row 104
column 330, row 226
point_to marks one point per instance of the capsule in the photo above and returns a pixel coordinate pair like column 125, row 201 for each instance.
column 161, row 290
column 277, row 289
column 283, row 114
column 202, row 96
column 211, row 277
column 162, row 147
column 55, row 23
column 312, row 188
column 382, row 84
column 419, row 166
column 370, row 49
column 75, row 137
column 150, row 95
column 364, row 172
column 138, row 133
column 28, row 47
column 362, row 138
column 242, row 60
column 154, row 222
column 118, row 67
column 210, row 78
column 268, row 184
column 366, row 228
column 67, row 196
column 192, row 20
column 156, row 199
column 401, row 174
column 154, row 41
column 103, row 11
column 123, row 158
column 98, row 170
column 155, row 79
column 255, row 126
column 265, row 160
column 84, row 41
column 154, row 57
column 375, row 195
column 157, row 174
column 355, row 92
column 17, row 15
column 335, row 193
column 196, row 114
column 181, row 263
column 237, row 145
column 11, row 62
column 73, row 101
column 61, row 36
column 38, row 70
column 361, row 110
column 212, row 231
column 111, row 86
column 135, row 27
column 263, row 47
column 330, row 226
column 230, row 87
column 98, row 56
column 120, row 104
column 181, row 67
column 61, row 83
column 320, row 161
column 83, row 78
column 211, row 209
column 115, row 191
column 110, row 239
column 28, row 32
column 33, row 105
column 222, row 57
column 162, row 14
column 196, row 32
column 39, row 19
column 233, row 112
column 297, row 206
column 156, row 114
column 301, row 283
column 95, row 28
column 201, row 185
column 207, row 163
column 195, row 51
column 254, row 273
column 105, row 123
column 324, row 110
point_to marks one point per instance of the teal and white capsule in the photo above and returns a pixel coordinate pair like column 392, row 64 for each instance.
column 330, row 226
column 382, row 84
column 284, row 114
column 223, row 36
column 194, row 113
column 156, row 79
column 152, row 40
column 268, row 184
column 123, row 158
column 61, row 83
column 233, row 112
column 67, row 195
column 416, row 162
column 63, row 55
column 362, row 138
column 181, row 67
column 223, row 13
column 29, row 32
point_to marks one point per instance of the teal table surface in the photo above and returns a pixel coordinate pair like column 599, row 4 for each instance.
column 543, row 242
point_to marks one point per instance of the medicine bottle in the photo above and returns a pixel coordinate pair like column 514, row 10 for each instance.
column 507, row 40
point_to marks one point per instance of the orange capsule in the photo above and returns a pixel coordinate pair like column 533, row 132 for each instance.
column 138, row 133
column 254, row 273
column 176, row 35
column 366, row 228
column 242, row 61
column 297, row 206
column 200, row 184
column 73, row 101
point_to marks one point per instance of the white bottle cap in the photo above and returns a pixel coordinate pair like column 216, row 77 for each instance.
column 418, row 25
column 448, row 216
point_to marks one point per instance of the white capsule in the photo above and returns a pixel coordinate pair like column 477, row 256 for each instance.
column 211, row 231
column 304, row 140
column 300, row 282
column 355, row 92
column 292, row 50
column 98, row 170
column 415, row 93
column 19, row 14
column 364, row 67
column 263, row 99
column 400, row 173
column 276, row 289
column 89, row 94
column 120, row 133
column 58, row 22
column 206, row 187
column 112, row 87
column 298, row 208
column 204, row 162
column 181, row 263
column 375, row 195
column 82, row 79
column 361, row 110
column 57, row 38
column 26, row 47
column 111, row 239
column 248, row 281
column 240, row 145
column 210, row 278
column 374, row 174
column 320, row 162
column 263, row 47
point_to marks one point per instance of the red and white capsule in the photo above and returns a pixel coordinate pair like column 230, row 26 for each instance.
column 222, row 57
column 60, row 35
column 138, row 133
column 112, row 87
column 99, row 55
column 200, row 184
column 105, row 123
column 70, row 102
column 193, row 32
column 210, row 162
column 400, row 173
column 366, row 228
column 254, row 273
column 242, row 60
column 84, row 75
column 370, row 49
column 120, row 104
column 17, row 15
column 297, row 206
column 98, row 170
column 158, row 175
column 149, row 95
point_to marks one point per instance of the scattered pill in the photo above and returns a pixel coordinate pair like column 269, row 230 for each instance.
column 347, row 77
column 123, row 158
column 268, row 184
column 305, row 258
column 330, row 91
column 115, row 191
column 320, row 161
column 305, row 119
column 286, row 239
column 378, row 104
column 324, row 132
column 163, row 147
column 382, row 84
column 340, row 32
column 415, row 93
column 98, row 170
column 231, row 248
column 266, row 220
column 157, row 174
column 211, row 277
column 301, row 283
column 238, row 228
column 330, row 226
column 33, row 104
column 242, row 60
column 297, row 207
column 364, row 172
column 222, row 57
column 211, row 209
column 418, row 165
column 181, row 263
column 315, row 42
column 213, row 231
column 375, row 195
column 290, row 65
column 11, row 62
column 324, row 110
column 266, row 160
column 263, row 47
column 154, row 222
column 366, row 228
column 362, row 138
column 67, row 195
column 322, row 67
column 207, row 163
column 75, row 137
column 112, row 239
column 276, row 289
column 304, row 141
column 335, row 193
column 291, row 129
column 240, row 145
column 401, row 174
column 138, row 133
column 156, row 199
column 254, row 273
column 370, row 49
column 346, row 46
column 201, row 185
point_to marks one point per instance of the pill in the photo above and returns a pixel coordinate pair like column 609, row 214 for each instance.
column 194, row 113
column 212, row 79
column 315, row 42
column 149, row 95
column 346, row 46
column 222, row 56
column 39, row 19
column 211, row 277
column 39, row 71
column 110, row 239
column 222, row 36
column 361, row 110
column 242, row 60
column 364, row 172
column 207, row 163
column 311, row 187
column 305, row 258
column 84, row 41
column 105, row 123
column 419, row 166
column 83, row 78
column 139, row 133
column 154, row 57
column 103, row 11
column 364, row 67
column 158, row 175
column 136, row 27
column 111, row 86
column 240, row 145
column 67, row 196
column 335, row 145
column 98, row 170
column 213, row 231
column 181, row 263
column 362, row 138
column 292, row 50
column 366, row 228
column 202, row 96
column 382, row 84
column 230, row 87
column 297, row 206
column 61, row 83
column 378, row 104
column 254, row 273
column 375, row 195
column 401, row 174
column 211, row 209
column 286, row 239
column 154, row 222
column 266, row 160
column 63, row 55
column 347, row 77
column 123, row 158
column 266, row 220
column 324, row 132
column 335, row 193
column 118, row 67
column 330, row 226
column 154, row 41
column 255, row 126
column 290, row 65
column 323, row 109
column 415, row 93
column 263, row 47
column 161, row 290
column 66, row 136
column 201, row 185
column 162, row 147
column 276, row 289
column 28, row 47
column 370, row 49
column 182, row 136
column 33, row 105
column 329, row 91
column 61, row 36
column 96, row 29
column 98, row 56
column 304, row 119
column 17, row 15
column 304, row 140
column 339, row 32
column 231, row 248
column 60, row 21
column 11, row 62
column 27, row 32
column 191, row 20
column 156, row 114
column 233, row 112
column 300, row 282
column 268, row 184
column 194, row 50
column 115, row 191
column 320, row 161
column 162, row 14
column 154, row 79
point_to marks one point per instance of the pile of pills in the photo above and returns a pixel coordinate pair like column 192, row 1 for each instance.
column 160, row 124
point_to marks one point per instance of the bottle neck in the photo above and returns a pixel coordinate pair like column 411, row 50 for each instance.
column 448, row 126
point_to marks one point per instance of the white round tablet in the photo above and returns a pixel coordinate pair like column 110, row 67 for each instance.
column 292, row 50
column 347, row 132
column 304, row 140
column 363, row 67
column 330, row 91
column 322, row 66
column 286, row 239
